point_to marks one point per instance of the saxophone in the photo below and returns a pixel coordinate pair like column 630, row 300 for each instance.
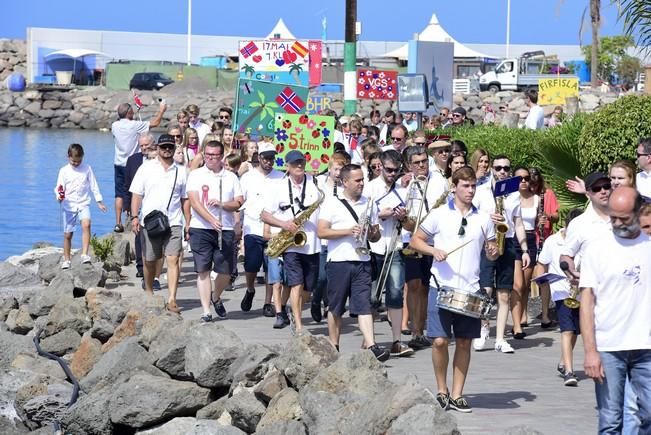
column 502, row 227
column 284, row 240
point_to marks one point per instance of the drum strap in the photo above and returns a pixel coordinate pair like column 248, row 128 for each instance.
column 436, row 281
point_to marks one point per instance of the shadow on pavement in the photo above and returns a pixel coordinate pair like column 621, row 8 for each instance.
column 506, row 400
column 532, row 342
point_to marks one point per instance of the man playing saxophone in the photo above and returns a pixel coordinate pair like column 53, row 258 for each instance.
column 292, row 195
column 348, row 223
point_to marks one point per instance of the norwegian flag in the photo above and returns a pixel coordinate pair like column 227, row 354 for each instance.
column 137, row 101
column 289, row 101
column 300, row 49
column 249, row 49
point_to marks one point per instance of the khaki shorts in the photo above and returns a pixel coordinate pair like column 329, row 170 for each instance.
column 169, row 245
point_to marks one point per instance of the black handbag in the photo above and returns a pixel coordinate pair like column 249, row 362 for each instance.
column 156, row 222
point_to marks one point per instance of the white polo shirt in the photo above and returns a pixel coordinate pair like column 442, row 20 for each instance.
column 154, row 184
column 278, row 203
column 583, row 230
column 619, row 272
column 461, row 269
column 375, row 190
column 78, row 182
column 125, row 135
column 207, row 184
column 643, row 183
column 550, row 256
column 336, row 213
column 255, row 188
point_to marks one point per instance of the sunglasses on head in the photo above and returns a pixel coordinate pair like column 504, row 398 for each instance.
column 502, row 168
column 462, row 227
column 598, row 188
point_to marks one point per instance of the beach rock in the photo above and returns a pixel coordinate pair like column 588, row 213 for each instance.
column 49, row 266
column 33, row 108
column 7, row 304
column 62, row 342
column 289, row 427
column 88, row 276
column 102, row 330
column 36, row 386
column 51, row 104
column 323, row 412
column 46, row 408
column 9, row 426
column 157, row 327
column 169, row 350
column 209, row 353
column 165, row 398
column 32, row 258
column 118, row 364
column 19, row 321
column 191, row 426
column 86, row 356
column 424, row 420
column 283, row 407
column 130, row 327
column 252, row 365
column 273, row 383
column 245, row 411
column 11, row 345
column 304, row 357
column 213, row 410
column 16, row 276
column 102, row 304
column 89, row 415
column 68, row 313
column 43, row 301
column 32, row 362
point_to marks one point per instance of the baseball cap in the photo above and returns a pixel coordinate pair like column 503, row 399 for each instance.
column 344, row 120
column 459, row 110
column 294, row 156
column 266, row 148
column 166, row 139
column 592, row 179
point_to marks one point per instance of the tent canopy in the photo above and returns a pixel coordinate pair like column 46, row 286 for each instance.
column 281, row 30
column 435, row 33
column 76, row 53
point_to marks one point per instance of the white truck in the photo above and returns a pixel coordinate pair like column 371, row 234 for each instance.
column 517, row 74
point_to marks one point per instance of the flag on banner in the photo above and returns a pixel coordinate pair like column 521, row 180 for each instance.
column 300, row 49
column 289, row 101
column 316, row 57
column 249, row 49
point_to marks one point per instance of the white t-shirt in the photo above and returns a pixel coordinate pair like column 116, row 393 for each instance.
column 125, row 135
column 550, row 256
column 78, row 182
column 207, row 184
column 154, row 184
column 486, row 202
column 255, row 187
column 643, row 183
column 376, row 190
column 278, row 203
column 536, row 118
column 202, row 130
column 583, row 230
column 461, row 269
column 619, row 272
column 336, row 213
column 529, row 215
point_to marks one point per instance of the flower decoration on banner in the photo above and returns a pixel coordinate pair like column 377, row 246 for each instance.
column 325, row 132
column 377, row 84
column 311, row 124
column 281, row 134
column 307, row 134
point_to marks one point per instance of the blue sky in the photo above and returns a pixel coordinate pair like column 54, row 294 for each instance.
column 472, row 21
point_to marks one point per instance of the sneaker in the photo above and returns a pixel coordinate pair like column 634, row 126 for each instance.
column 443, row 399
column 401, row 350
column 460, row 404
column 139, row 274
column 280, row 321
column 219, row 308
column 379, row 353
column 570, row 379
column 560, row 368
column 315, row 310
column 480, row 343
column 268, row 310
column 290, row 317
column 424, row 341
column 65, row 265
column 230, row 288
column 503, row 346
column 247, row 300
column 85, row 259
column 142, row 283
column 415, row 343
column 285, row 317
column 156, row 285
column 206, row 318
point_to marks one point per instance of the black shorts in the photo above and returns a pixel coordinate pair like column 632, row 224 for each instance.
column 206, row 253
column 418, row 268
column 568, row 318
column 532, row 248
column 254, row 257
column 301, row 269
column 349, row 279
column 499, row 273
column 119, row 174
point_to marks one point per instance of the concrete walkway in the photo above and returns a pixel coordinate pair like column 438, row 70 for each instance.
column 505, row 390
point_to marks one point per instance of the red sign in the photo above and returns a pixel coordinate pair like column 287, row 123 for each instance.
column 315, row 62
column 375, row 84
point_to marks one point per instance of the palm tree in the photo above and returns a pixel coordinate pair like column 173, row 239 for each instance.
column 595, row 20
column 262, row 108
column 248, row 70
column 636, row 15
column 295, row 69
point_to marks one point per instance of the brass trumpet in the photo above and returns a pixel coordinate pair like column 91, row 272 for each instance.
column 572, row 301
column 415, row 186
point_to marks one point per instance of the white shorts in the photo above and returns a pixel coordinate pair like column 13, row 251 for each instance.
column 70, row 218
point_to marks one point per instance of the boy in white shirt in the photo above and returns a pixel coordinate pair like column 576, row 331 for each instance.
column 74, row 184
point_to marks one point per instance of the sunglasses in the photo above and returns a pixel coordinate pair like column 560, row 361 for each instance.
column 441, row 150
column 420, row 162
column 642, row 154
column 597, row 189
column 502, row 168
column 397, row 139
column 462, row 228
column 167, row 146
column 376, row 167
column 390, row 170
column 213, row 156
column 177, row 136
column 456, row 115
column 525, row 179
column 225, row 117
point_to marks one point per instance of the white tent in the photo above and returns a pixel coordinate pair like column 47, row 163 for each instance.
column 435, row 33
column 280, row 31
column 75, row 53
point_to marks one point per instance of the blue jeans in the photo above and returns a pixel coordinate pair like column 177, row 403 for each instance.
column 631, row 419
column 636, row 364
column 394, row 287
column 320, row 294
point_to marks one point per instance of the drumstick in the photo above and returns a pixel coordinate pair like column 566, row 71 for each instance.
column 459, row 247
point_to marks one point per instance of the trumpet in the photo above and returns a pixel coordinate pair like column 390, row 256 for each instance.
column 572, row 301
column 501, row 228
column 365, row 223
column 416, row 186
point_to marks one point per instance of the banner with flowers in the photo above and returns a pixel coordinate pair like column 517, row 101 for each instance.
column 310, row 134
column 375, row 84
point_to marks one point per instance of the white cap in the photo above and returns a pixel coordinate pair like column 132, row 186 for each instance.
column 344, row 120
column 266, row 147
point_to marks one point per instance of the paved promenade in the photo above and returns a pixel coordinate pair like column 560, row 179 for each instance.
column 505, row 390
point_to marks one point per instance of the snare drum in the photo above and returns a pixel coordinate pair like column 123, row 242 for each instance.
column 463, row 302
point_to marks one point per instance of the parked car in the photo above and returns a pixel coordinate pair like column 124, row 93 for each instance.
column 149, row 81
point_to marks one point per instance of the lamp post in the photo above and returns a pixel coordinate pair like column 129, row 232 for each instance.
column 508, row 27
column 189, row 48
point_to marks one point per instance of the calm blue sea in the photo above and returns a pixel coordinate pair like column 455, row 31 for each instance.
column 30, row 162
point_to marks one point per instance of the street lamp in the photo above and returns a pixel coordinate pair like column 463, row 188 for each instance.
column 189, row 49
column 508, row 27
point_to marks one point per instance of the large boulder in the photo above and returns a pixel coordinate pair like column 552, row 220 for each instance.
column 130, row 327
column 7, row 303
column 49, row 266
column 165, row 398
column 86, row 356
column 168, row 349
column 10, row 382
column 213, row 410
column 245, row 411
column 62, row 342
column 304, row 357
column 159, row 328
column 44, row 409
column 191, row 426
column 16, row 276
column 89, row 415
column 31, row 259
column 252, row 365
column 12, row 345
column 87, row 276
column 424, row 420
column 209, row 353
column 273, row 383
column 283, row 407
column 32, row 362
column 68, row 313
column 290, row 427
column 43, row 301
column 19, row 321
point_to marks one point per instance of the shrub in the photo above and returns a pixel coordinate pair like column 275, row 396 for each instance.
column 102, row 248
column 613, row 132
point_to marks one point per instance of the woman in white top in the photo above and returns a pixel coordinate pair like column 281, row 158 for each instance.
column 247, row 154
column 522, row 279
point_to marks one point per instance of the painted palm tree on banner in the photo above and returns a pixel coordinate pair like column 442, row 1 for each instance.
column 262, row 109
column 295, row 70
column 248, row 70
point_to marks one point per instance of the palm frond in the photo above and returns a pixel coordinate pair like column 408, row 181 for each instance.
column 636, row 17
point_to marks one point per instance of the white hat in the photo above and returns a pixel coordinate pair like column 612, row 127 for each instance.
column 266, row 147
column 344, row 120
